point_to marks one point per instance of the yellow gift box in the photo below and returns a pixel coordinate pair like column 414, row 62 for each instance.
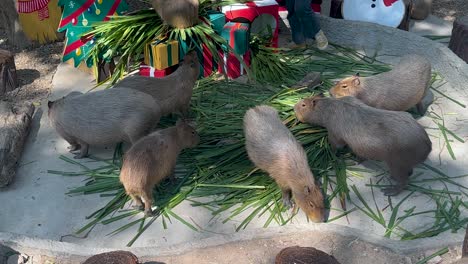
column 162, row 54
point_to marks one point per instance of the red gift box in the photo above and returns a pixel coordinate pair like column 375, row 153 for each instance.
column 149, row 71
column 230, row 65
column 253, row 9
column 208, row 61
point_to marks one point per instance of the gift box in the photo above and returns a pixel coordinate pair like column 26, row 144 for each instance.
column 217, row 19
column 237, row 35
column 146, row 70
column 253, row 9
column 231, row 65
column 162, row 54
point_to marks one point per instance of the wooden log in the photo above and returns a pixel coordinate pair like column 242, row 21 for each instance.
column 113, row 257
column 15, row 121
column 8, row 78
column 459, row 39
column 291, row 255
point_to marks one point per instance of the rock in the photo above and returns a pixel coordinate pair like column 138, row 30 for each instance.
column 15, row 122
column 458, row 41
column 435, row 260
column 311, row 255
column 113, row 257
column 421, row 9
column 311, row 80
column 8, row 78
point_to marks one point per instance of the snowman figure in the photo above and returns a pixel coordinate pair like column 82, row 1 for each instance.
column 384, row 12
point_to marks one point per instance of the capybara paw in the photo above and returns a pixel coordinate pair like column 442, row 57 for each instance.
column 392, row 191
column 138, row 207
column 74, row 147
column 287, row 202
column 79, row 156
column 149, row 214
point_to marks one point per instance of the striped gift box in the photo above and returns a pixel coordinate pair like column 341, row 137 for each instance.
column 162, row 54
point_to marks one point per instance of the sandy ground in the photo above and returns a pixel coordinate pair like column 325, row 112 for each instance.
column 35, row 67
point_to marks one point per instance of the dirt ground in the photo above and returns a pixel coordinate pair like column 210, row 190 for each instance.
column 35, row 67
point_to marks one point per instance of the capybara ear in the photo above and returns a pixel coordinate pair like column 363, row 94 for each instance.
column 357, row 74
column 50, row 103
column 356, row 81
column 314, row 103
column 321, row 95
column 306, row 190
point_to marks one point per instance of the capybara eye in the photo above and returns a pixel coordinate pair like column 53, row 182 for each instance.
column 345, row 86
column 303, row 105
column 193, row 132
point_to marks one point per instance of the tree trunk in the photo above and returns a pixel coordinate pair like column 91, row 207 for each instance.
column 14, row 128
column 8, row 78
column 9, row 20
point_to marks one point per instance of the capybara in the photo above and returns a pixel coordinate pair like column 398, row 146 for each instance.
column 153, row 158
column 272, row 148
column 371, row 133
column 173, row 92
column 399, row 89
column 177, row 13
column 103, row 117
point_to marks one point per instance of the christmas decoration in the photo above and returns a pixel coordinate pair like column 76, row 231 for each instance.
column 39, row 19
column 237, row 35
column 78, row 18
column 266, row 10
column 146, row 70
column 162, row 54
column 231, row 66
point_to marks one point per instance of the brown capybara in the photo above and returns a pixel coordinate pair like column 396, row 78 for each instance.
column 371, row 133
column 399, row 89
column 153, row 158
column 177, row 13
column 272, row 148
column 103, row 117
column 173, row 92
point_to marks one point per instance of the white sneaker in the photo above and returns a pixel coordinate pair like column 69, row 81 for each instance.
column 321, row 39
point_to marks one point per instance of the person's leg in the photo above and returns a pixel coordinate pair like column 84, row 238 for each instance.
column 297, row 28
column 310, row 22
column 307, row 18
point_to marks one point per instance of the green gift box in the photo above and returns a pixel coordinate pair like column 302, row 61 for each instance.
column 217, row 20
column 237, row 35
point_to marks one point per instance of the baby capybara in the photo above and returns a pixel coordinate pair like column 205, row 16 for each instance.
column 173, row 92
column 103, row 117
column 153, row 158
column 371, row 133
column 399, row 89
column 272, row 148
